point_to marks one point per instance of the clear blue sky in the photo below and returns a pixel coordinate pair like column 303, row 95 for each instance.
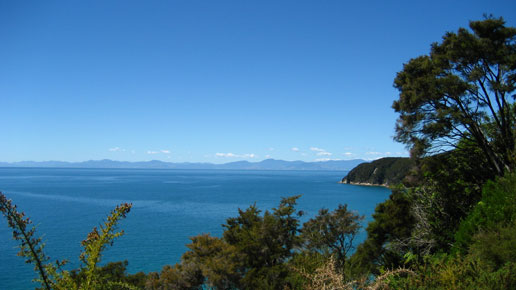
column 212, row 81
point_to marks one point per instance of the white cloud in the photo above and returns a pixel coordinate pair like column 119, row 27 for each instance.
column 327, row 159
column 348, row 154
column 233, row 155
column 115, row 149
column 295, row 149
column 317, row 149
column 320, row 151
column 225, row 155
column 267, row 156
column 162, row 151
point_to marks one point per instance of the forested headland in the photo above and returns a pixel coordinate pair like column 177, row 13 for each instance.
column 384, row 171
column 450, row 222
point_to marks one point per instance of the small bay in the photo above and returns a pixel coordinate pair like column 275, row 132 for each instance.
column 169, row 206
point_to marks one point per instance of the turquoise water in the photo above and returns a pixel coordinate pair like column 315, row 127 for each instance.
column 169, row 206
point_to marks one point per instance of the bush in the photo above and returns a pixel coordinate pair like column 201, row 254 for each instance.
column 497, row 206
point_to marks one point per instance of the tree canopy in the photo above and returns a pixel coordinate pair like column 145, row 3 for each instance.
column 333, row 232
column 462, row 90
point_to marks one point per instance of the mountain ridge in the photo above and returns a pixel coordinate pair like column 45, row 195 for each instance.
column 267, row 164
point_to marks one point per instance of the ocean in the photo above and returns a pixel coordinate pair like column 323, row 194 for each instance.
column 169, row 206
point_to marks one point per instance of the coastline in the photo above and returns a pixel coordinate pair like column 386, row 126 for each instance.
column 363, row 183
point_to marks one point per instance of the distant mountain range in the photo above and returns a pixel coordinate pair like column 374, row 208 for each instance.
column 268, row 164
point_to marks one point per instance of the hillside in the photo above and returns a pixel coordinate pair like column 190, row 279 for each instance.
column 384, row 171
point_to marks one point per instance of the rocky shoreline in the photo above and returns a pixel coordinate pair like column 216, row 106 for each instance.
column 362, row 183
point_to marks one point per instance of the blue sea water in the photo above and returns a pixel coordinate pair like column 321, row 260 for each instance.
column 169, row 206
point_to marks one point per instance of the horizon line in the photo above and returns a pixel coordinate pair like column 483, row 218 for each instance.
column 198, row 162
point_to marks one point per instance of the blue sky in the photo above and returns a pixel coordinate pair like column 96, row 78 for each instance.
column 212, row 81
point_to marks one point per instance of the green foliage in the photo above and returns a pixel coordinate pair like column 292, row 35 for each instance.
column 307, row 261
column 97, row 241
column 452, row 94
column 265, row 242
column 252, row 254
column 227, row 263
column 459, row 100
column 392, row 222
column 384, row 171
column 460, row 171
column 449, row 186
column 219, row 262
column 262, row 251
column 179, row 276
column 51, row 275
column 115, row 273
column 456, row 110
column 448, row 272
column 495, row 246
column 332, row 232
column 485, row 256
column 31, row 247
column 497, row 207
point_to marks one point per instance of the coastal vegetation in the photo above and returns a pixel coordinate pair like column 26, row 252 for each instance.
column 452, row 225
column 51, row 275
column 384, row 171
column 450, row 222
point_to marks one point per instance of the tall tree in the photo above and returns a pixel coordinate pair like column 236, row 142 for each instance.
column 333, row 232
column 462, row 90
column 266, row 242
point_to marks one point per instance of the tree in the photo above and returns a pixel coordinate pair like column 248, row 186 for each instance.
column 332, row 232
column 218, row 262
column 392, row 222
column 266, row 243
column 252, row 254
column 114, row 271
column 462, row 90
